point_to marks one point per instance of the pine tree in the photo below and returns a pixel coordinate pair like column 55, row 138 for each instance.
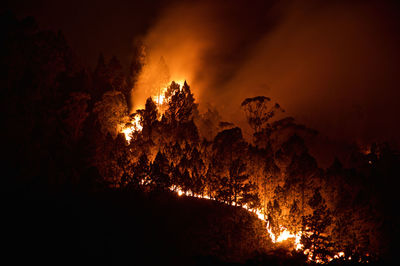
column 181, row 106
column 141, row 172
column 149, row 116
column 159, row 173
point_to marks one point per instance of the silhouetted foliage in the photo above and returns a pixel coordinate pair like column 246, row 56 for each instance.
column 258, row 112
column 159, row 172
column 315, row 237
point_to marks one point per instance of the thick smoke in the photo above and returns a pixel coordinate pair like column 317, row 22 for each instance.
column 333, row 66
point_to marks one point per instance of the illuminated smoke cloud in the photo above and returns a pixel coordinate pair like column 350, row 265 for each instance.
column 333, row 66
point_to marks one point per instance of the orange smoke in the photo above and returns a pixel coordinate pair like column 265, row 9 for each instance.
column 333, row 66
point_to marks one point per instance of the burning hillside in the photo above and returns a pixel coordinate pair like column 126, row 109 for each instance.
column 239, row 190
column 111, row 131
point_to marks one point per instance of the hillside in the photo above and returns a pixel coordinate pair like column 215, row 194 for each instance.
column 114, row 228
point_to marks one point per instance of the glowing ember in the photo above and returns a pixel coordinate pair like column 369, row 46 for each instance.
column 339, row 255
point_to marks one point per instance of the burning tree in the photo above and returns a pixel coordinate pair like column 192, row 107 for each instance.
column 229, row 169
column 181, row 105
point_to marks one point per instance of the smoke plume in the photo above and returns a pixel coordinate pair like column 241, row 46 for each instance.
column 331, row 65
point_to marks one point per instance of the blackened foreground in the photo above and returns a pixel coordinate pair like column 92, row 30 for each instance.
column 119, row 228
column 114, row 228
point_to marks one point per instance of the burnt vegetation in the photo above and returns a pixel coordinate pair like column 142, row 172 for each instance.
column 68, row 167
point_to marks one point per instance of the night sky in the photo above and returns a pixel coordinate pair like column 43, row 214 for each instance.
column 333, row 66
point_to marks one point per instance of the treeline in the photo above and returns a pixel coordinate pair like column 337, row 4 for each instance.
column 62, row 125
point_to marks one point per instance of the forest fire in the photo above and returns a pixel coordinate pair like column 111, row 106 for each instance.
column 310, row 182
column 283, row 235
column 160, row 100
column 133, row 126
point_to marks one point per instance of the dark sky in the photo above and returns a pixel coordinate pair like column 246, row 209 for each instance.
column 333, row 65
column 92, row 27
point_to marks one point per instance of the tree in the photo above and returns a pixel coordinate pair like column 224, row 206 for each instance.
column 149, row 116
column 250, row 196
column 141, row 172
column 181, row 106
column 211, row 182
column 186, row 181
column 227, row 150
column 295, row 217
column 237, row 180
column 74, row 113
column 314, row 237
column 274, row 212
column 258, row 111
column 301, row 174
column 273, row 134
column 197, row 168
column 159, row 172
column 198, row 182
column 208, row 123
column 112, row 112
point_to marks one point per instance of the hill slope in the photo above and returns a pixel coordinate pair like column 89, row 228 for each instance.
column 113, row 228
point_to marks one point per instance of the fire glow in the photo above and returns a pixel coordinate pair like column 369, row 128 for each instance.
column 160, row 100
column 285, row 235
column 135, row 126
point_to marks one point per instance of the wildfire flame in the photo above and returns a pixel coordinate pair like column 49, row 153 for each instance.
column 283, row 236
column 134, row 125
column 160, row 99
column 284, row 233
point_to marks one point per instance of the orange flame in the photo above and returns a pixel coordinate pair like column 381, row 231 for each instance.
column 134, row 126
column 159, row 100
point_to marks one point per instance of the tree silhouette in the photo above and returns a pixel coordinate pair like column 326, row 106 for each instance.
column 159, row 173
column 181, row 106
column 314, row 237
column 149, row 116
column 258, row 111
column 141, row 172
column 112, row 112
